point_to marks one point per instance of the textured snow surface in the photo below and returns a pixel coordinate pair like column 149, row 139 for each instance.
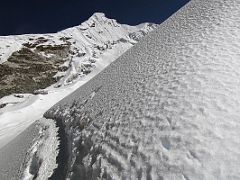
column 166, row 109
column 42, row 155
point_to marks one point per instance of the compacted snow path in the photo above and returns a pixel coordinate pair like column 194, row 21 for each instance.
column 42, row 155
column 166, row 109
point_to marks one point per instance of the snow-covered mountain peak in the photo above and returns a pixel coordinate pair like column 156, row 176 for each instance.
column 101, row 18
column 97, row 20
column 55, row 64
column 98, row 16
column 80, row 49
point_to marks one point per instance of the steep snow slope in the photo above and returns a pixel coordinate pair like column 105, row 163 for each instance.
column 84, row 49
column 166, row 109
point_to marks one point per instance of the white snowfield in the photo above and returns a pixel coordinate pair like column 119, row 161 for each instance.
column 168, row 109
column 96, row 42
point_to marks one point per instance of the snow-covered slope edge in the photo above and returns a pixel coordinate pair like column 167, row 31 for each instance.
column 168, row 108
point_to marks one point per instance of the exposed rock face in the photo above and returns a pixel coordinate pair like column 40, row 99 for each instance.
column 32, row 62
column 27, row 70
column 166, row 109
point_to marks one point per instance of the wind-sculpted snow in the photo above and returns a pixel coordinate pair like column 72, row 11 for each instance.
column 166, row 109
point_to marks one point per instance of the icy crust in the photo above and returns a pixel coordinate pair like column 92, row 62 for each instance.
column 168, row 108
column 41, row 157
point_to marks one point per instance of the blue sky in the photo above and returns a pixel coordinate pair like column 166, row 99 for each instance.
column 42, row 16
